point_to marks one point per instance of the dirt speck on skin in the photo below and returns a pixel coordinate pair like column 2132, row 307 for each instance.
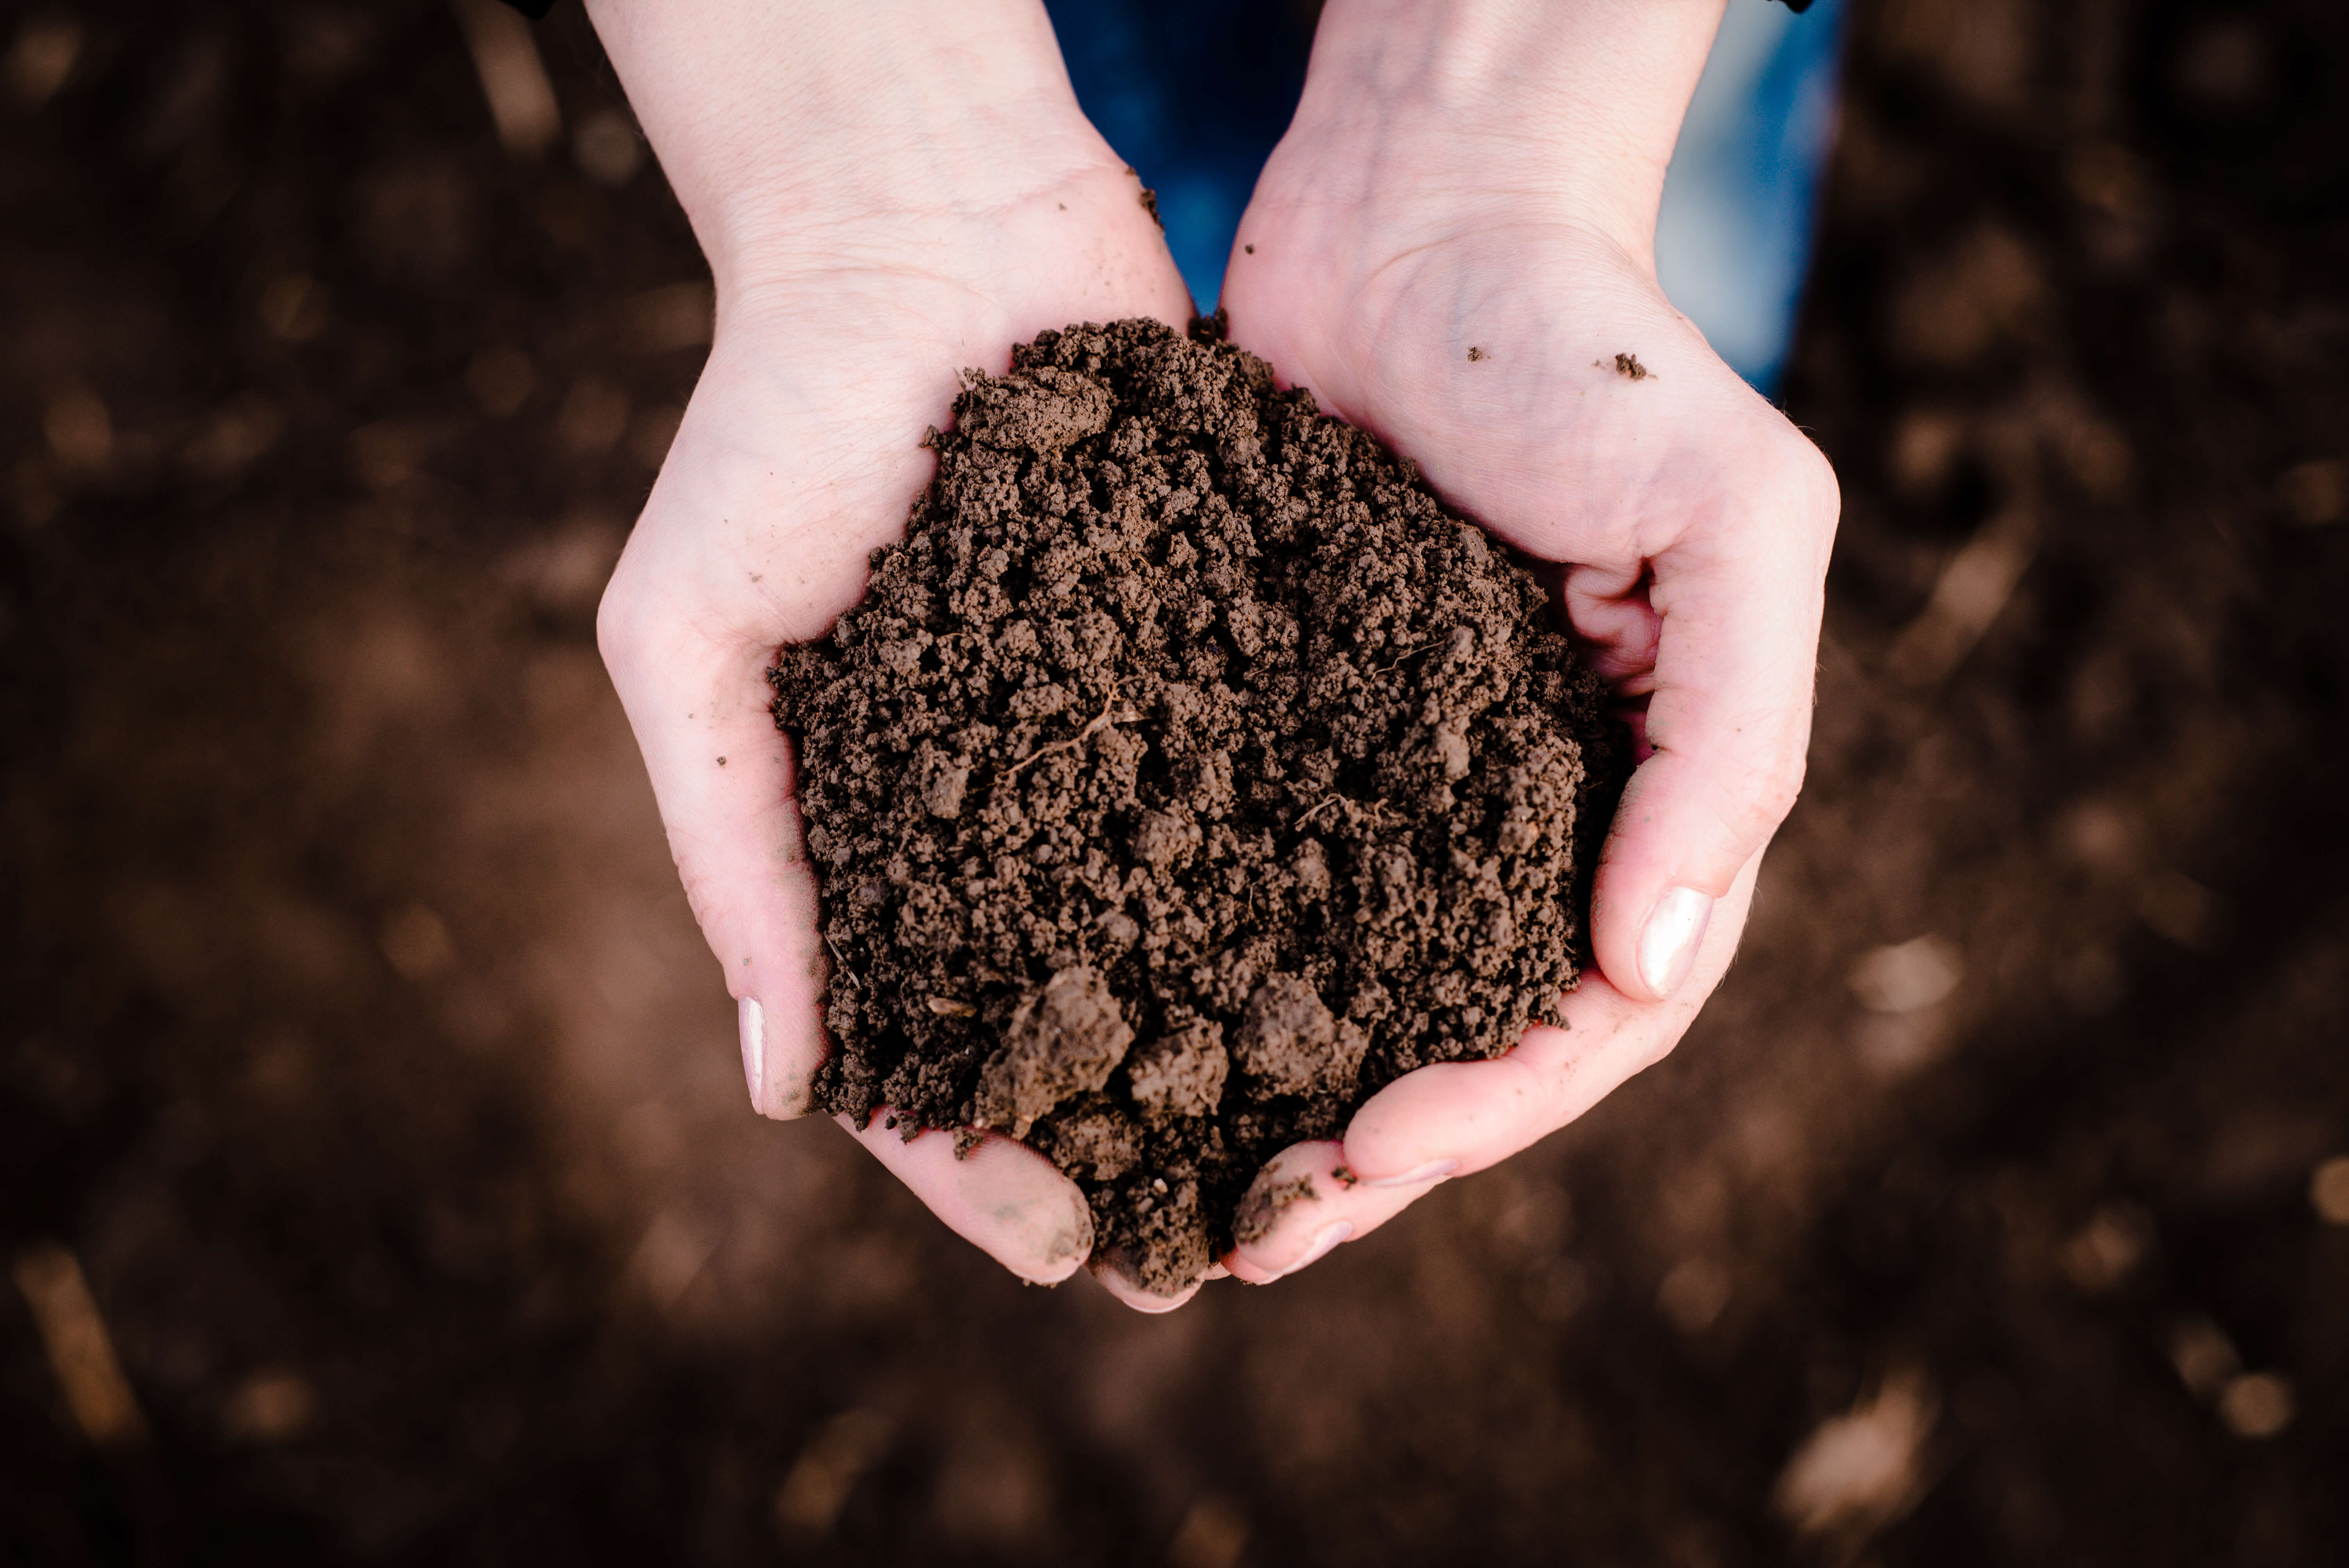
column 1475, row 354
column 1149, row 198
column 1628, row 365
column 1263, row 1202
column 1188, row 774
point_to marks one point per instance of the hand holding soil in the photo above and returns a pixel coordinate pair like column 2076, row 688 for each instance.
column 1187, row 774
column 909, row 193
column 884, row 197
column 1464, row 289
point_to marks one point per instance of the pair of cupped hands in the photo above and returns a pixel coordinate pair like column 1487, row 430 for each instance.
column 890, row 196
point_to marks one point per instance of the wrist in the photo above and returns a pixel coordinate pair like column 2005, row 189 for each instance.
column 798, row 136
column 1558, row 109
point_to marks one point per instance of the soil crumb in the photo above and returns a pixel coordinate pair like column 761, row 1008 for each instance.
column 1628, row 365
column 1187, row 773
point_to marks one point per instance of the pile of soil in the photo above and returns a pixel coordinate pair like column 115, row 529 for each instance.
column 1188, row 774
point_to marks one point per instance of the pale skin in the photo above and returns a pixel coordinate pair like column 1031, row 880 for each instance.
column 889, row 191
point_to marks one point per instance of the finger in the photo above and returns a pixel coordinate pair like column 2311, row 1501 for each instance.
column 1454, row 1118
column 1129, row 1294
column 1003, row 1197
column 1737, row 603
column 1614, row 624
column 1301, row 1206
column 722, row 776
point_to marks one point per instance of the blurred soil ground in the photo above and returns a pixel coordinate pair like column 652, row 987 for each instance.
column 363, row 1075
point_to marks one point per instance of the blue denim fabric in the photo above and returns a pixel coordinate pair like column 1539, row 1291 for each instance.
column 1194, row 93
column 1734, row 239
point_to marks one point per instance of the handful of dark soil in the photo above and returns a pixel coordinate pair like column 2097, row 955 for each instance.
column 1188, row 774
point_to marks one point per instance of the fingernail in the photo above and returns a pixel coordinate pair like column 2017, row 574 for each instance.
column 1333, row 1233
column 1433, row 1170
column 1667, row 947
column 1154, row 1305
column 753, row 1020
column 1140, row 1300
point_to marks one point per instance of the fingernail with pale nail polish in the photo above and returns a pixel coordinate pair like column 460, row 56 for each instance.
column 1154, row 1305
column 753, row 1021
column 1333, row 1233
column 1675, row 928
column 1433, row 1170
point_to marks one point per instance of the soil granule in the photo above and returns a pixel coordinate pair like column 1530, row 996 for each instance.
column 1187, row 773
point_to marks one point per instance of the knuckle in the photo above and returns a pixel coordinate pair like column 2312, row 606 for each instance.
column 1779, row 785
column 620, row 617
column 1798, row 471
column 1751, row 802
column 1767, row 806
column 1818, row 495
column 1816, row 478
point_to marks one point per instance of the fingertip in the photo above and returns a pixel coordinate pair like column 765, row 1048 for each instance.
column 1667, row 860
column 1670, row 937
column 1302, row 1205
column 1325, row 1240
column 1285, row 1204
column 780, row 1061
column 1318, row 1245
column 750, row 1024
column 1000, row 1196
column 1237, row 1267
column 1128, row 1293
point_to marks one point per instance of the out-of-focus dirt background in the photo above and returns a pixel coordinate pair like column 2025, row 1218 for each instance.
column 375, row 1174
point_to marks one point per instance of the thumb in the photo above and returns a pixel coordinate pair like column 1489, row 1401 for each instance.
column 723, row 775
column 1737, row 602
